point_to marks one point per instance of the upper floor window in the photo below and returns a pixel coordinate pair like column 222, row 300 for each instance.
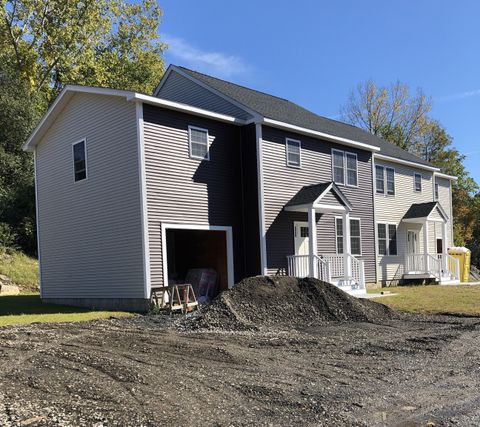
column 385, row 180
column 436, row 191
column 387, row 239
column 418, row 182
column 355, row 236
column 293, row 148
column 344, row 168
column 79, row 161
column 198, row 141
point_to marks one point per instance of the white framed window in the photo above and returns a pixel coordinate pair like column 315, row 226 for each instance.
column 198, row 143
column 387, row 239
column 380, row 179
column 79, row 151
column 417, row 182
column 390, row 179
column 385, row 180
column 436, row 195
column 293, row 149
column 344, row 168
column 355, row 235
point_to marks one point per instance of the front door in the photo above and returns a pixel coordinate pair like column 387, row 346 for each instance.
column 412, row 242
column 301, row 237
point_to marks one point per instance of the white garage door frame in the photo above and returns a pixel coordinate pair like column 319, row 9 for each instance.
column 175, row 226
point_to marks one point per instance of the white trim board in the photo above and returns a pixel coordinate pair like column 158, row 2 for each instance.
column 405, row 162
column 143, row 200
column 182, row 226
column 261, row 200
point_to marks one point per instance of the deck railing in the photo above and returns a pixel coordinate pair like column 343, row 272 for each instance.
column 452, row 266
column 328, row 267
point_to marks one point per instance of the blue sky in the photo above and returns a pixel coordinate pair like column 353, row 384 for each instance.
column 315, row 52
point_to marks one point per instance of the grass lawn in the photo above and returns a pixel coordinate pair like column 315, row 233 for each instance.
column 22, row 269
column 28, row 308
column 433, row 299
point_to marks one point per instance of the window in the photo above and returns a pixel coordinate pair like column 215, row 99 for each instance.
column 387, row 239
column 355, row 236
column 344, row 168
column 390, row 174
column 385, row 175
column 293, row 152
column 436, row 191
column 79, row 161
column 352, row 178
column 379, row 179
column 338, row 167
column 198, row 140
column 418, row 182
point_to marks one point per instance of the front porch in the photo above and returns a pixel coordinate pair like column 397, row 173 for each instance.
column 421, row 262
column 341, row 269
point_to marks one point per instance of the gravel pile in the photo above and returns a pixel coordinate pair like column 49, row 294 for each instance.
column 285, row 301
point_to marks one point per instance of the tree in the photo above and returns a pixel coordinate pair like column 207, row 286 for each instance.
column 17, row 196
column 389, row 112
column 109, row 43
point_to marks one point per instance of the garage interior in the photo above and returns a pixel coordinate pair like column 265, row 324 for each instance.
column 191, row 250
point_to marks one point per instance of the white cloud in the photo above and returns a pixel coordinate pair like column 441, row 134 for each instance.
column 460, row 95
column 218, row 63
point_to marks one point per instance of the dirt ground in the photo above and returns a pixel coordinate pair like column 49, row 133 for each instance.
column 147, row 371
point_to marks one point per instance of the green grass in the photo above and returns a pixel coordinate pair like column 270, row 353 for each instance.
column 22, row 269
column 28, row 308
column 433, row 299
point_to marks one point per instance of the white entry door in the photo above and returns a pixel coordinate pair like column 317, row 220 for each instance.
column 412, row 242
column 301, row 237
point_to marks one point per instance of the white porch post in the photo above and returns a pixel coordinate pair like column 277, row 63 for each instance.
column 444, row 247
column 425, row 245
column 312, row 242
column 347, row 266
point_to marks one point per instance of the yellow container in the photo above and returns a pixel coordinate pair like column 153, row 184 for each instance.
column 463, row 255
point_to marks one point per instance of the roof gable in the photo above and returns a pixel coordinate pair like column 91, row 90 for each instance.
column 315, row 195
column 430, row 210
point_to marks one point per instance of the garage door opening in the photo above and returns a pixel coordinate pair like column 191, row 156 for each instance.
column 200, row 256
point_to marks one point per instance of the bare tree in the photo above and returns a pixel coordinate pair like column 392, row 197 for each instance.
column 390, row 112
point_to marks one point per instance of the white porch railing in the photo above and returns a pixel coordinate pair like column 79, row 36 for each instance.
column 298, row 266
column 452, row 267
column 329, row 267
column 434, row 265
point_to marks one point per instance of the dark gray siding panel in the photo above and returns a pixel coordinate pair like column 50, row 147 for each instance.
column 250, row 201
column 190, row 191
column 180, row 89
column 91, row 234
column 281, row 183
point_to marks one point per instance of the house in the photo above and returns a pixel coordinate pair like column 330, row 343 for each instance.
column 133, row 191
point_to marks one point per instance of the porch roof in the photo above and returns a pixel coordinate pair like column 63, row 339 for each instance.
column 420, row 212
column 311, row 196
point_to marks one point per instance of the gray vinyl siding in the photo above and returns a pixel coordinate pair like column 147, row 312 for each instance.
column 391, row 209
column 91, row 234
column 180, row 89
column 190, row 191
column 281, row 183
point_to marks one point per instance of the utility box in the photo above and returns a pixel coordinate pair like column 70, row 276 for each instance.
column 463, row 255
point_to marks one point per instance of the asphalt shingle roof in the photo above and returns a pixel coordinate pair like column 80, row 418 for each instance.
column 420, row 210
column 280, row 109
column 309, row 193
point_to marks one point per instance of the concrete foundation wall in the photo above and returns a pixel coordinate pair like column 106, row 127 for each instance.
column 139, row 305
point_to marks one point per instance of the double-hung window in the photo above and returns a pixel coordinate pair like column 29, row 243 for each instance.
column 355, row 236
column 385, row 180
column 293, row 148
column 418, row 182
column 387, row 239
column 198, row 142
column 79, row 161
column 344, row 168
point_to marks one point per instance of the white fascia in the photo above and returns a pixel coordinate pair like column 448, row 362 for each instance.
column 326, row 136
column 406, row 162
column 444, row 175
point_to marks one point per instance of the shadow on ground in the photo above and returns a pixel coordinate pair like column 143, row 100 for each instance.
column 32, row 304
